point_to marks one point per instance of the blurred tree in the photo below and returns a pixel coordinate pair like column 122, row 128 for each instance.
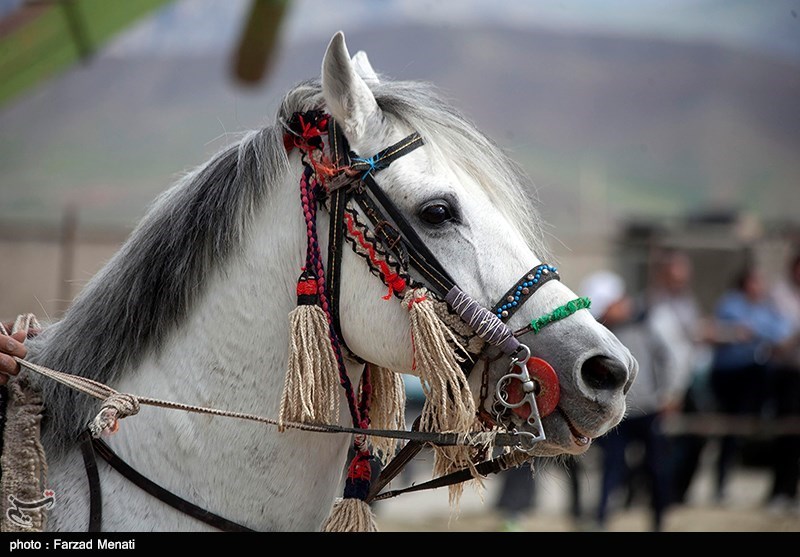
column 257, row 47
column 39, row 38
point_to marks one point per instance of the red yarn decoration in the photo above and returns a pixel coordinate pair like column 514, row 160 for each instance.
column 395, row 282
column 307, row 287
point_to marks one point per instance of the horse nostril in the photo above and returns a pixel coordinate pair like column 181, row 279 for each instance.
column 604, row 373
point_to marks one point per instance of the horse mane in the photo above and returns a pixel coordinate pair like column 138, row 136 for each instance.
column 155, row 280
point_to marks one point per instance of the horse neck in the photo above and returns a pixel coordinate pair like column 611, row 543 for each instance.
column 231, row 354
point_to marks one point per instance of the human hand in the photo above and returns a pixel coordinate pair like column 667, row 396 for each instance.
column 11, row 345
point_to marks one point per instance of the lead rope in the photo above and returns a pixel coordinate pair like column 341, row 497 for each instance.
column 116, row 405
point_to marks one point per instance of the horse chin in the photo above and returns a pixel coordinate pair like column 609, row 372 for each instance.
column 559, row 441
column 563, row 436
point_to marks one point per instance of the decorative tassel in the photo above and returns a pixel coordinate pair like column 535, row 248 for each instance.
column 449, row 406
column 388, row 410
column 310, row 391
column 352, row 514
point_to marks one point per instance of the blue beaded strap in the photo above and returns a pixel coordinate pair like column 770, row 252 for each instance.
column 524, row 289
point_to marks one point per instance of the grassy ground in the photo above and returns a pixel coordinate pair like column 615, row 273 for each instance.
column 44, row 44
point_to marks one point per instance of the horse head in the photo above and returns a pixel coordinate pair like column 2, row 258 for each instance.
column 468, row 203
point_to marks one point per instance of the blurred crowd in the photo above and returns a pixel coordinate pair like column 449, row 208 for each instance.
column 736, row 366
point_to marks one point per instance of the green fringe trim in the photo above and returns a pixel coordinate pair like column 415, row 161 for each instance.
column 560, row 313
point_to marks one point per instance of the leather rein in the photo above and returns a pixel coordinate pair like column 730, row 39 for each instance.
column 352, row 194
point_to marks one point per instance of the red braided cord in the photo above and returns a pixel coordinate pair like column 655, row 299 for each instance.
column 314, row 259
column 395, row 282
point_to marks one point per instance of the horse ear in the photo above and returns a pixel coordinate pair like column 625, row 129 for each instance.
column 364, row 68
column 346, row 94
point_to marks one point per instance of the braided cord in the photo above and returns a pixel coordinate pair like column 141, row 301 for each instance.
column 560, row 313
column 309, row 190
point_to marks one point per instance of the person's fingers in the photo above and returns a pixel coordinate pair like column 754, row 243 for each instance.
column 20, row 336
column 13, row 345
column 8, row 365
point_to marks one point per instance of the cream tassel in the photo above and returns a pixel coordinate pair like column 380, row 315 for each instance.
column 387, row 411
column 449, row 406
column 350, row 515
column 311, row 388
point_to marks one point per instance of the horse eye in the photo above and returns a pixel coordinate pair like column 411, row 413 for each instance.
column 436, row 213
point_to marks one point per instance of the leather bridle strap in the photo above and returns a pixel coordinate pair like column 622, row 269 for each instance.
column 402, row 241
column 93, row 477
column 420, row 257
column 485, row 468
column 396, row 240
column 340, row 157
column 91, row 446
column 396, row 465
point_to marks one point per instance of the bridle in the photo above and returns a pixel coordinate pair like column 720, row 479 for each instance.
column 345, row 184
column 354, row 185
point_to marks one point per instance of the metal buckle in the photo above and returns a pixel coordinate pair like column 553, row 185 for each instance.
column 389, row 240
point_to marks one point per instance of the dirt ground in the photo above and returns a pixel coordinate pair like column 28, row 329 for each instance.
column 686, row 518
column 743, row 510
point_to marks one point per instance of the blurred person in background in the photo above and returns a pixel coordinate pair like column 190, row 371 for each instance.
column 749, row 330
column 785, row 390
column 655, row 390
column 670, row 291
column 671, row 298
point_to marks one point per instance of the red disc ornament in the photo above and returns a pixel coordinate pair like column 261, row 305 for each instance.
column 547, row 391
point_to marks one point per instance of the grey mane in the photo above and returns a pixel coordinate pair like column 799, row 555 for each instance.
column 152, row 283
column 155, row 280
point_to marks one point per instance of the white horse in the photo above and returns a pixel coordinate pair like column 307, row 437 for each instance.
column 193, row 308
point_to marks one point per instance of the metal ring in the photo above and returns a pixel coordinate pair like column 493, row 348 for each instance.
column 527, row 441
column 515, row 360
column 501, row 393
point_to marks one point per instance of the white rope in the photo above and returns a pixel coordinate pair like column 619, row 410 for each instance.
column 123, row 404
column 118, row 405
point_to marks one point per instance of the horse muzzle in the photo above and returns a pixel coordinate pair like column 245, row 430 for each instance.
column 579, row 392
